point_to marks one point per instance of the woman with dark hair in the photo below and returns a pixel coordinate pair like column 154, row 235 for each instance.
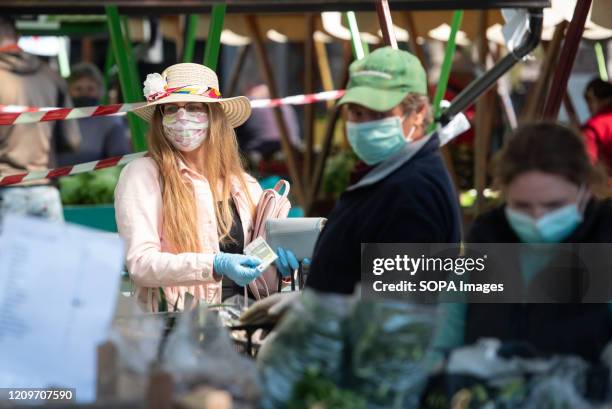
column 552, row 194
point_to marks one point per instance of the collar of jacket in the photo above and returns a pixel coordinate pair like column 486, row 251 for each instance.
column 391, row 164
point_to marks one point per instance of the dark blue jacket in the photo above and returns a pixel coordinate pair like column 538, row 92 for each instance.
column 562, row 328
column 417, row 203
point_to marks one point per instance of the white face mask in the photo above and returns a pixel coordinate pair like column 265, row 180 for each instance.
column 186, row 131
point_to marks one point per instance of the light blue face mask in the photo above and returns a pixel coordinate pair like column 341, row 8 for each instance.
column 375, row 141
column 553, row 227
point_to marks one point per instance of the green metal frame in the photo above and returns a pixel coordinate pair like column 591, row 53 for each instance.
column 67, row 29
column 601, row 61
column 128, row 77
column 446, row 66
column 213, row 42
column 360, row 47
column 192, row 30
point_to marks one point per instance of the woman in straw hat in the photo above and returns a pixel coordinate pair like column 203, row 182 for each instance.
column 186, row 211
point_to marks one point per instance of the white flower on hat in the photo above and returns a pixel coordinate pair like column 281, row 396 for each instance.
column 154, row 86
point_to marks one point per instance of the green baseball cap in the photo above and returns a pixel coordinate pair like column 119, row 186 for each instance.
column 381, row 80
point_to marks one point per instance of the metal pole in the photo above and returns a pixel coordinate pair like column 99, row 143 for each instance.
column 566, row 59
column 417, row 49
column 360, row 48
column 477, row 87
column 447, row 64
column 128, row 89
column 264, row 63
column 386, row 23
column 192, row 30
column 601, row 61
column 213, row 42
column 134, row 77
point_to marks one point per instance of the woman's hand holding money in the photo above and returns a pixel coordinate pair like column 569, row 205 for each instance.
column 239, row 268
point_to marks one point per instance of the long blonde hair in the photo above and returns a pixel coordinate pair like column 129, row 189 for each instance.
column 221, row 162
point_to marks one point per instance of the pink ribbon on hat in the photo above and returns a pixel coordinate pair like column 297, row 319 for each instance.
column 210, row 92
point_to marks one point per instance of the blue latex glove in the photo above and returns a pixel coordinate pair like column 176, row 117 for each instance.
column 287, row 263
column 239, row 268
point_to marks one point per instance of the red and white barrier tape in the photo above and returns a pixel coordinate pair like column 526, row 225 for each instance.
column 70, row 170
column 27, row 116
column 21, row 108
column 297, row 99
column 15, row 115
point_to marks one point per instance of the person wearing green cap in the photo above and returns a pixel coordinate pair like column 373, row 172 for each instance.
column 401, row 191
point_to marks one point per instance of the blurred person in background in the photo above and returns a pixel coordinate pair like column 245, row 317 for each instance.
column 597, row 130
column 260, row 133
column 27, row 81
column 102, row 137
column 551, row 193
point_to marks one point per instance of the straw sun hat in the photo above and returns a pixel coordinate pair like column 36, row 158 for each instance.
column 190, row 82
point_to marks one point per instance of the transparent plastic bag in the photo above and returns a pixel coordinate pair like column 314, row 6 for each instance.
column 555, row 393
column 200, row 352
column 563, row 385
column 311, row 336
column 136, row 337
column 389, row 341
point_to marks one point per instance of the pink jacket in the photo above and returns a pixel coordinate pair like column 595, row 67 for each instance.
column 138, row 210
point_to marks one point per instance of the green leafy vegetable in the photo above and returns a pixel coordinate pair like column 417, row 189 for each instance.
column 316, row 391
column 90, row 188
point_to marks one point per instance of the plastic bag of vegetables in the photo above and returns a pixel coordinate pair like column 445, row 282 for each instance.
column 200, row 351
column 389, row 340
column 311, row 337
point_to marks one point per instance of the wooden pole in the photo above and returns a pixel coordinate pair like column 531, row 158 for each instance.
column 234, row 77
column 386, row 23
column 537, row 96
column 571, row 111
column 264, row 63
column 566, row 59
column 415, row 47
column 322, row 159
column 309, row 109
column 86, row 49
column 324, row 69
column 328, row 138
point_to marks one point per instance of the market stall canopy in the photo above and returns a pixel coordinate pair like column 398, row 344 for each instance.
column 147, row 7
column 426, row 21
